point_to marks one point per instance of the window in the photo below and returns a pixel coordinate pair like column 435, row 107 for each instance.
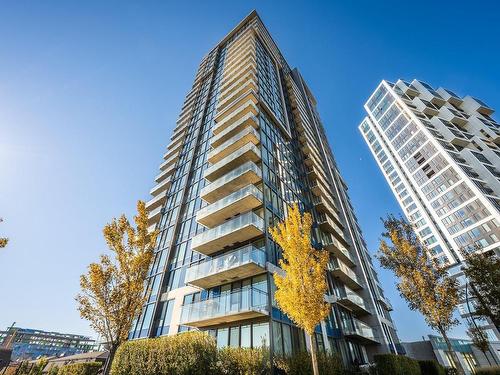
column 260, row 335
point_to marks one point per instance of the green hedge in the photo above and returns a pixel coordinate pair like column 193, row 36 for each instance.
column 393, row 364
column 488, row 371
column 84, row 368
column 243, row 361
column 190, row 353
column 431, row 368
column 300, row 364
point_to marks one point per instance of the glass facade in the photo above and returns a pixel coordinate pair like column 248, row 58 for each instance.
column 438, row 153
column 252, row 145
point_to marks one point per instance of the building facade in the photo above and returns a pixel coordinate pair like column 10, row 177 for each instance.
column 440, row 155
column 30, row 344
column 435, row 349
column 249, row 143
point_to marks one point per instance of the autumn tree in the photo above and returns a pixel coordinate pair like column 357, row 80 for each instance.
column 483, row 274
column 426, row 287
column 300, row 291
column 3, row 240
column 112, row 290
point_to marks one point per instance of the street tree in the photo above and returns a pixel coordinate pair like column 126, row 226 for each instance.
column 300, row 290
column 424, row 285
column 112, row 291
column 483, row 273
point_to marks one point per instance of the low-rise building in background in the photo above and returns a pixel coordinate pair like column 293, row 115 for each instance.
column 435, row 349
column 29, row 344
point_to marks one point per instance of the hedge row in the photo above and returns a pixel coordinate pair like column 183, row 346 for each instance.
column 84, row 368
column 190, row 353
column 196, row 353
column 300, row 363
column 431, row 368
column 393, row 364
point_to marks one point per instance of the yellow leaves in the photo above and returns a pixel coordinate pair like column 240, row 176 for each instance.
column 426, row 288
column 300, row 292
column 112, row 289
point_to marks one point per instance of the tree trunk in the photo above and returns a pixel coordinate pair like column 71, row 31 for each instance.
column 314, row 358
column 458, row 364
column 109, row 360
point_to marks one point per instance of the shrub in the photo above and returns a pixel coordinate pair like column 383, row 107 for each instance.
column 300, row 364
column 84, row 368
column 488, row 371
column 192, row 353
column 243, row 361
column 393, row 364
column 431, row 368
column 450, row 371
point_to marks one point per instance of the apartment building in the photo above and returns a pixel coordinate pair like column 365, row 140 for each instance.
column 440, row 155
column 248, row 143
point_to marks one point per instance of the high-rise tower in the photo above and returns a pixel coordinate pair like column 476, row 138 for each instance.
column 248, row 143
column 440, row 155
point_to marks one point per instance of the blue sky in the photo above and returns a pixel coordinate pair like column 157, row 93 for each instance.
column 90, row 91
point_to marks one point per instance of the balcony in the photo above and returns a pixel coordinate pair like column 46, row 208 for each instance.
column 314, row 173
column 169, row 161
column 157, row 201
column 327, row 225
column 346, row 275
column 247, row 135
column 430, row 108
column 235, row 71
column 165, row 173
column 246, row 153
column 241, row 228
column 229, row 89
column 246, row 174
column 249, row 120
column 353, row 301
column 483, row 108
column 386, row 303
column 339, row 250
column 161, row 187
column 248, row 87
column 233, row 75
column 320, row 191
column 361, row 331
column 322, row 205
column 243, row 200
column 235, row 265
column 230, row 307
column 154, row 216
column 235, row 112
column 411, row 90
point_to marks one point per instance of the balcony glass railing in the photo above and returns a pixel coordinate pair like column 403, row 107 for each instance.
column 236, row 141
column 337, row 264
column 229, row 178
column 218, row 233
column 245, row 153
column 244, row 300
column 357, row 327
column 347, row 293
column 229, row 200
column 231, row 260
